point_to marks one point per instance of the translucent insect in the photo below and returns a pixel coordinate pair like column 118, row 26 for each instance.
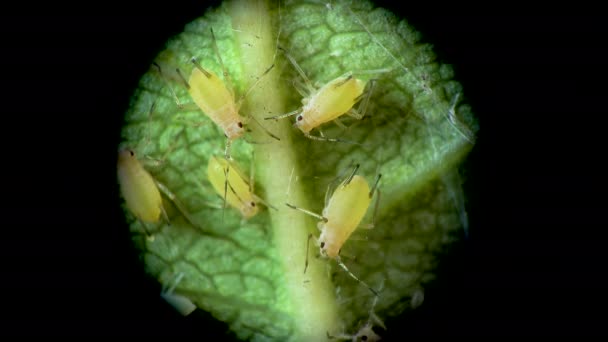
column 366, row 332
column 180, row 303
column 342, row 214
column 141, row 192
column 233, row 186
column 328, row 103
column 216, row 99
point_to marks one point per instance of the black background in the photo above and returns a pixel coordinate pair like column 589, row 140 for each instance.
column 533, row 264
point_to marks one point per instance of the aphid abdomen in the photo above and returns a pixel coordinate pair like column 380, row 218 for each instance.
column 137, row 186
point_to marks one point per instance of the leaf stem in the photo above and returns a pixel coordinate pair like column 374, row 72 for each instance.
column 312, row 295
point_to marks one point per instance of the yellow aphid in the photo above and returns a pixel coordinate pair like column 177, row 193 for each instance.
column 331, row 101
column 342, row 214
column 216, row 99
column 142, row 193
column 138, row 188
column 213, row 98
column 230, row 183
column 328, row 103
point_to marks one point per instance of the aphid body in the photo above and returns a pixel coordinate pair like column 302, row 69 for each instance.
column 216, row 101
column 138, row 188
column 343, row 213
column 333, row 100
column 228, row 181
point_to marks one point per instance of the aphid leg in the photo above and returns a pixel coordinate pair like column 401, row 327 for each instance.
column 341, row 264
column 339, row 123
column 163, row 188
column 173, row 94
column 145, row 228
column 227, row 150
column 308, row 250
column 312, row 137
column 161, row 161
column 363, row 100
column 281, row 116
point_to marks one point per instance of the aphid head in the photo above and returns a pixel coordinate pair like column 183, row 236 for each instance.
column 327, row 247
column 302, row 123
column 234, row 130
column 249, row 209
column 125, row 154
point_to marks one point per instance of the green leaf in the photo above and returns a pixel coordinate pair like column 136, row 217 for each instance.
column 250, row 273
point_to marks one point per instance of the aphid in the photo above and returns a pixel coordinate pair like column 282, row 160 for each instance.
column 141, row 192
column 180, row 303
column 342, row 214
column 139, row 189
column 328, row 103
column 217, row 101
column 366, row 332
column 233, row 186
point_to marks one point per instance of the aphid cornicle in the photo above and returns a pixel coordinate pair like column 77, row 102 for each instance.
column 328, row 103
column 341, row 215
column 231, row 184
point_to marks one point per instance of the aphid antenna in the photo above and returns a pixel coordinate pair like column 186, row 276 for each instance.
column 324, row 219
column 219, row 57
column 264, row 128
column 258, row 79
column 339, row 261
